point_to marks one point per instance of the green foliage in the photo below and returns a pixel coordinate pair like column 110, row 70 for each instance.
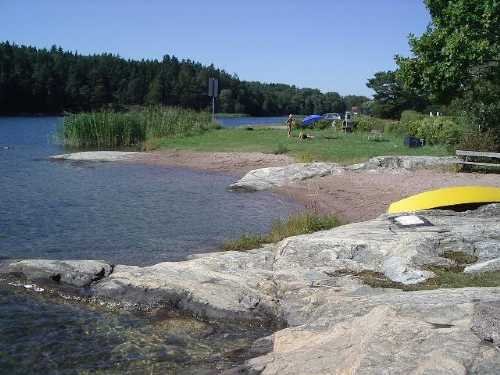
column 118, row 129
column 398, row 128
column 437, row 130
column 391, row 98
column 368, row 123
column 295, row 225
column 280, row 149
column 323, row 124
column 457, row 58
column 410, row 116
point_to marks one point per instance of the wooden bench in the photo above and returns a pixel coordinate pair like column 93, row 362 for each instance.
column 468, row 157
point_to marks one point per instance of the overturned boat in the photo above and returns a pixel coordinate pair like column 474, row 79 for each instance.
column 457, row 198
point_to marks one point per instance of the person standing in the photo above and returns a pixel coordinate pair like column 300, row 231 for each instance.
column 290, row 124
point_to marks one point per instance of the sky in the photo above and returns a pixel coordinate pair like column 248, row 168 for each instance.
column 332, row 45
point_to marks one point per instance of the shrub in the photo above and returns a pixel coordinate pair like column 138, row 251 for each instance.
column 368, row 123
column 437, row 130
column 410, row 115
column 397, row 128
column 323, row 124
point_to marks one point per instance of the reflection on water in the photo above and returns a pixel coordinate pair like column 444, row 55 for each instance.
column 40, row 335
column 231, row 122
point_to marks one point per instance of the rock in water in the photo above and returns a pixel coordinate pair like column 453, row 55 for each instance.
column 77, row 273
column 97, row 156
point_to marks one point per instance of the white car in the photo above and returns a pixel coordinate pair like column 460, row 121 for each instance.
column 331, row 116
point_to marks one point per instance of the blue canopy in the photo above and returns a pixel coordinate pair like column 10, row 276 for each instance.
column 309, row 120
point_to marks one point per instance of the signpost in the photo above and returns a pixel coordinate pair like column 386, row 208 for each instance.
column 213, row 92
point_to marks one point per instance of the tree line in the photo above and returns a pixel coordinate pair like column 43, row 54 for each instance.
column 34, row 80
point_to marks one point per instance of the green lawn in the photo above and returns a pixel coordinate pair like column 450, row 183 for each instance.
column 326, row 144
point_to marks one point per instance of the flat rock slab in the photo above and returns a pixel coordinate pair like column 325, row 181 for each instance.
column 77, row 273
column 97, row 156
column 268, row 178
column 486, row 321
column 336, row 324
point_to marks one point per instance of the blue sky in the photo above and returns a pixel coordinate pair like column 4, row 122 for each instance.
column 333, row 45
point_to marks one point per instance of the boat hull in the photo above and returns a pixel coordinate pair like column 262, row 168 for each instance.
column 447, row 197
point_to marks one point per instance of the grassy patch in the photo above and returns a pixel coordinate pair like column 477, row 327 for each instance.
column 446, row 277
column 296, row 224
column 460, row 258
column 328, row 144
column 280, row 149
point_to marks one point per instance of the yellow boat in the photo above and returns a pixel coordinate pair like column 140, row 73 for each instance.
column 451, row 196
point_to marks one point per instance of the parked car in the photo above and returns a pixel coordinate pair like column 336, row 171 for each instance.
column 331, row 116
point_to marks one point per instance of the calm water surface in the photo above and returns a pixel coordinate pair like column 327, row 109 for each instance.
column 124, row 214
column 231, row 122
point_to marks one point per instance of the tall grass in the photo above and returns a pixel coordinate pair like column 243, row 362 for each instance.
column 302, row 223
column 122, row 129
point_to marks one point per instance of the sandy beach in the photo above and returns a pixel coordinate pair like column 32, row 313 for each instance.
column 352, row 196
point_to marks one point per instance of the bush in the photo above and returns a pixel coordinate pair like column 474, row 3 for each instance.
column 437, row 130
column 367, row 123
column 323, row 124
column 410, row 116
column 397, row 128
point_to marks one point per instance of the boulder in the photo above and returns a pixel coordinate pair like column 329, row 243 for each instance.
column 268, row 178
column 78, row 273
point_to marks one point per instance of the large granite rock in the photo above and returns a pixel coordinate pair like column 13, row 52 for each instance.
column 77, row 273
column 268, row 178
column 336, row 324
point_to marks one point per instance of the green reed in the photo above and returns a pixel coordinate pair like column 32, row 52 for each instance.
column 123, row 129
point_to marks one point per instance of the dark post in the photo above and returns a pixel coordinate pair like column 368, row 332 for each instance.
column 213, row 92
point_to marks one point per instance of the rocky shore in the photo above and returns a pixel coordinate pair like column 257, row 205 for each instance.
column 315, row 286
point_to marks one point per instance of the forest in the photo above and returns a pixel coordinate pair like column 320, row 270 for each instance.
column 54, row 81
